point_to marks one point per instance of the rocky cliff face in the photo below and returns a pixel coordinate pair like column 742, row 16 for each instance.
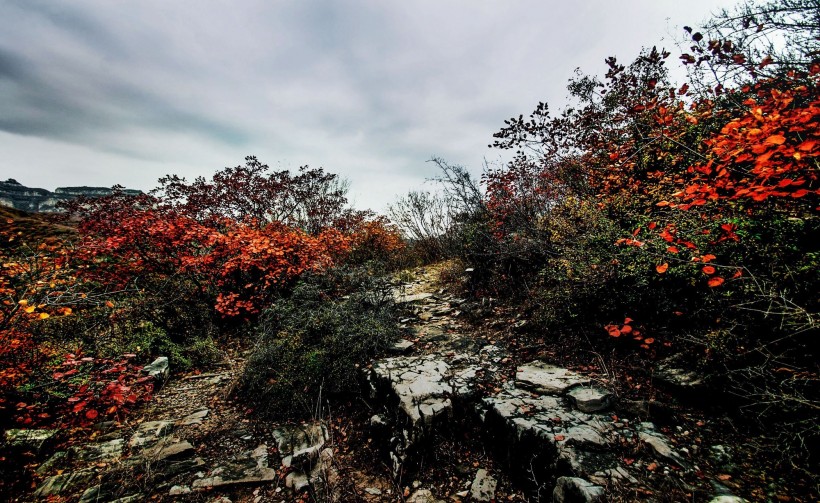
column 15, row 195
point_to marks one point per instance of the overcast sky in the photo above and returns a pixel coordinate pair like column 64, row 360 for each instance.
column 100, row 92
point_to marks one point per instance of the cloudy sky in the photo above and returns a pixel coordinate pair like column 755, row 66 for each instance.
column 99, row 92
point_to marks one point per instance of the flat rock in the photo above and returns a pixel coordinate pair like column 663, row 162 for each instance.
column 546, row 378
column 423, row 496
column 590, row 398
column 251, row 468
column 150, row 432
column 662, row 449
column 401, row 347
column 300, row 445
column 101, row 451
column 170, row 451
column 577, row 490
column 159, row 369
column 195, row 418
column 418, row 297
column 179, row 490
column 63, row 483
column 421, row 385
column 28, row 439
column 483, row 486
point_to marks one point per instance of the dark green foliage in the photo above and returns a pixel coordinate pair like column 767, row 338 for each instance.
column 312, row 344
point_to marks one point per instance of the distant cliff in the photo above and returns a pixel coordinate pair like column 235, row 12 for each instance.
column 18, row 196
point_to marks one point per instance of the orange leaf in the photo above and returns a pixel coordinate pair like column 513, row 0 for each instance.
column 649, row 340
column 626, row 329
column 652, row 467
column 560, row 438
column 708, row 258
column 673, row 249
column 662, row 268
column 708, row 270
column 775, row 139
column 716, row 281
column 108, row 303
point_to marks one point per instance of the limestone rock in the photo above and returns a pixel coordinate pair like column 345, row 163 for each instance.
column 483, row 486
column 423, row 496
column 179, row 490
column 250, row 468
column 29, row 439
column 101, row 451
column 662, row 449
column 576, row 490
column 170, row 451
column 546, row 378
column 404, row 298
column 590, row 398
column 300, row 445
column 149, row 433
column 195, row 418
column 63, row 483
column 401, row 347
column 159, row 369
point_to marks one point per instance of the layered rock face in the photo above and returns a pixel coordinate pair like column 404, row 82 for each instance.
column 15, row 195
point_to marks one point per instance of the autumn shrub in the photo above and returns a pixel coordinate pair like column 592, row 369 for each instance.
column 312, row 345
column 674, row 219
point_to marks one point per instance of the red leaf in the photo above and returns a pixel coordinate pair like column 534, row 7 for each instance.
column 91, row 414
column 662, row 268
column 716, row 281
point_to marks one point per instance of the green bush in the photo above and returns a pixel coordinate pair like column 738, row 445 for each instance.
column 312, row 344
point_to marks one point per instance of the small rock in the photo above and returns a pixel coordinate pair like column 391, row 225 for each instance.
column 175, row 450
column 159, row 369
column 94, row 494
column 149, row 433
column 178, row 490
column 297, row 481
column 576, row 490
column 663, row 450
column 300, row 445
column 195, row 418
column 401, row 347
column 133, row 498
column 483, row 487
column 403, row 299
column 590, row 398
column 373, row 491
column 423, row 496
column 725, row 498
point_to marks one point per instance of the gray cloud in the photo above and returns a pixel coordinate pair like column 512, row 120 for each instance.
column 99, row 92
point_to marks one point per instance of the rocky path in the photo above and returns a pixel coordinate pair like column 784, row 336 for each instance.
column 560, row 434
column 452, row 415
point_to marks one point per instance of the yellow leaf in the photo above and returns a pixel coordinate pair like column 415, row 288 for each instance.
column 30, row 309
column 43, row 316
